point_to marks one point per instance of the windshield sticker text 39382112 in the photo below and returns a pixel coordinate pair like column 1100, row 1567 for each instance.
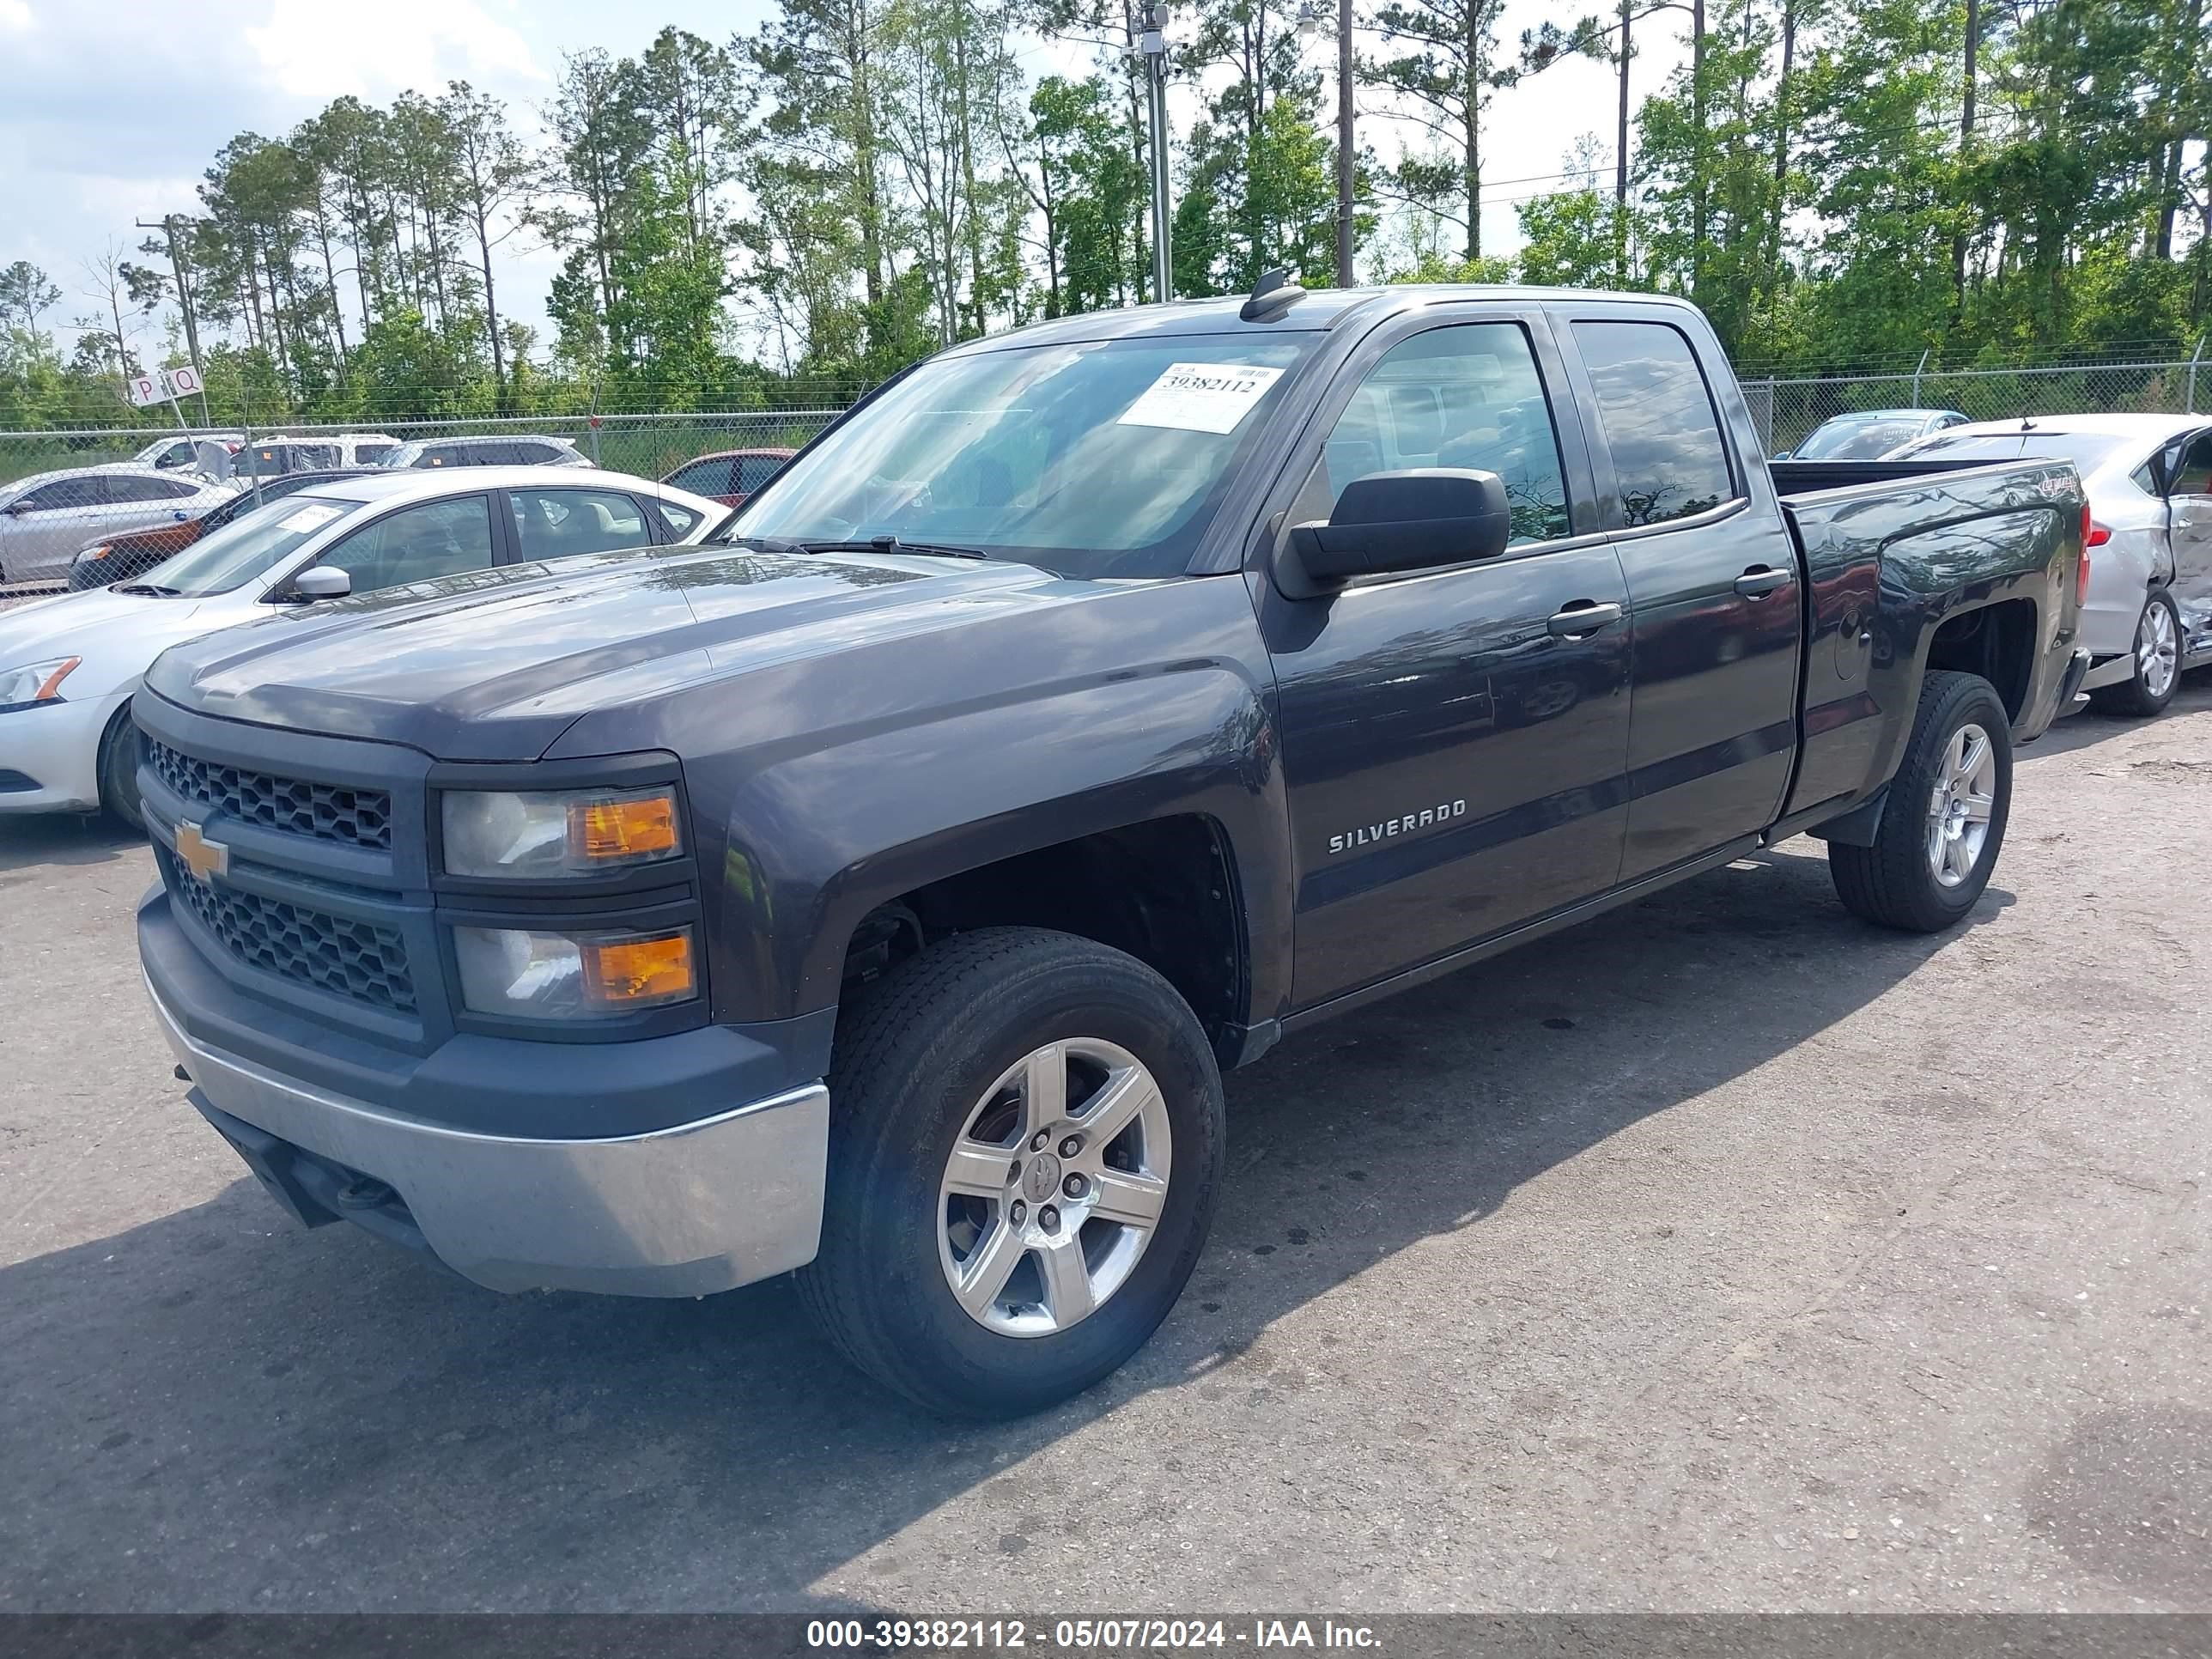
column 1200, row 396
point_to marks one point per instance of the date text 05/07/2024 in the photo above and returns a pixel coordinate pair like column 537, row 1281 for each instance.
column 1084, row 1635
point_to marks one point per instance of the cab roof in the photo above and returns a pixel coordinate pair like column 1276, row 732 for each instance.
column 1316, row 312
column 407, row 483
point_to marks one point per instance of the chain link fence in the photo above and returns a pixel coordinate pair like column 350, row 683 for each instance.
column 1787, row 410
column 62, row 492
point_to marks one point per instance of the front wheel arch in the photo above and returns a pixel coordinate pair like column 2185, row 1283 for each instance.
column 118, row 767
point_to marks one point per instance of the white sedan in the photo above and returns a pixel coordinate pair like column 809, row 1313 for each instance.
column 2148, row 613
column 68, row 665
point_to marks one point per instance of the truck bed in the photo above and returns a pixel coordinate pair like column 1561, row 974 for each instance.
column 1890, row 550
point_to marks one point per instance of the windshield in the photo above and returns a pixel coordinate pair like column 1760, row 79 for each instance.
column 1091, row 458
column 250, row 546
column 1859, row 439
column 2086, row 450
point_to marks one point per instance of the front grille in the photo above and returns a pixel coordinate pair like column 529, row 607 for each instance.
column 360, row 818
column 354, row 959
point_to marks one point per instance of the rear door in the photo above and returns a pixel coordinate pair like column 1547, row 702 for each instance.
column 1453, row 740
column 1712, row 584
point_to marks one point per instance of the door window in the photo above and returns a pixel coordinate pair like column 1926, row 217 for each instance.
column 1668, row 459
column 122, row 490
column 370, row 454
column 62, row 493
column 707, row 478
column 555, row 524
column 1464, row 395
column 754, row 470
column 417, row 544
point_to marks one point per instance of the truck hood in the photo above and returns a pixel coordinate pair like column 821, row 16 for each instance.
column 496, row 664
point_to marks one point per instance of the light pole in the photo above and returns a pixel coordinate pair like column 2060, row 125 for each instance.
column 1312, row 20
column 1153, row 43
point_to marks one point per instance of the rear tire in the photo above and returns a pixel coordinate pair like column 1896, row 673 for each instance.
column 118, row 772
column 1944, row 821
column 931, row 1081
column 2157, row 650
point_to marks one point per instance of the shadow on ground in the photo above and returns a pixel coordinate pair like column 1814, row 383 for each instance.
column 217, row 1410
column 65, row 838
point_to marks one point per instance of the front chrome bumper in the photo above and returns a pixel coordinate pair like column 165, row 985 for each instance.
column 687, row 1210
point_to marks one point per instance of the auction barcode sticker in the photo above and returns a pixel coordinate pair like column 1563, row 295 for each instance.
column 1200, row 396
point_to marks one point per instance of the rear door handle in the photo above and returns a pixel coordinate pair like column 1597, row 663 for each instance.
column 1760, row 581
column 1582, row 616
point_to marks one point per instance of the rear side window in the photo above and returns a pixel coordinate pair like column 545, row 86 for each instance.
column 145, row 489
column 370, row 454
column 1668, row 459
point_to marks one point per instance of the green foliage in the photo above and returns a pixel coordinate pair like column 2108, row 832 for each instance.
column 776, row 219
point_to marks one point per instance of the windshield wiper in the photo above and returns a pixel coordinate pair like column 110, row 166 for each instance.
column 152, row 590
column 893, row 545
column 764, row 543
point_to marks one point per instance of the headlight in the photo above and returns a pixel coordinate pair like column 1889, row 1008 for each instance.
column 573, row 975
column 550, row 832
column 34, row 683
column 93, row 555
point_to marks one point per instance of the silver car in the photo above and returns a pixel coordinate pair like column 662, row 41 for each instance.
column 2147, row 615
column 46, row 518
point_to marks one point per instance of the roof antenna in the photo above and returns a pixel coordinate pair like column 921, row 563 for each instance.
column 1275, row 292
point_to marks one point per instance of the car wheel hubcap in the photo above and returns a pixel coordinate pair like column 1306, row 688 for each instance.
column 1054, row 1187
column 2158, row 649
column 1958, row 809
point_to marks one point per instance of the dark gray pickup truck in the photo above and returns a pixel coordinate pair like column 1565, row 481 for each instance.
column 880, row 893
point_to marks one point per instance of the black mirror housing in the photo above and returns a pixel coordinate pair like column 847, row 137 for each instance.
column 1417, row 519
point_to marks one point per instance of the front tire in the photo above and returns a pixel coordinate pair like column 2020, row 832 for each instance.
column 2158, row 664
column 1026, row 1151
column 118, row 772
column 1944, row 820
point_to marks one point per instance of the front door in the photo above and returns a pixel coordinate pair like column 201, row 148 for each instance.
column 1453, row 740
column 1713, row 581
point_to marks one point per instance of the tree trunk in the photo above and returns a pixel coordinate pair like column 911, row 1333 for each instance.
column 1471, row 160
column 1697, row 145
column 1620, row 161
column 1966, row 148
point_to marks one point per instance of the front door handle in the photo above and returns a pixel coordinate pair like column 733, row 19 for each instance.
column 1582, row 616
column 1762, row 580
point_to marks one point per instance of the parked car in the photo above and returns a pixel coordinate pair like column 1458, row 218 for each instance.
column 730, row 476
column 190, row 451
column 534, row 450
column 273, row 456
column 1869, row 433
column 121, row 557
column 1407, row 625
column 2148, row 616
column 46, row 518
column 70, row 667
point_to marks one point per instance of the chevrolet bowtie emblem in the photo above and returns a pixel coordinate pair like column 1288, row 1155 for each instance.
column 203, row 857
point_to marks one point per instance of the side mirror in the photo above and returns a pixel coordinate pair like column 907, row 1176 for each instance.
column 1781, row 454
column 322, row 581
column 1417, row 519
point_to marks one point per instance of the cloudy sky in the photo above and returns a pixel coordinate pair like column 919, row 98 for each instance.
column 113, row 107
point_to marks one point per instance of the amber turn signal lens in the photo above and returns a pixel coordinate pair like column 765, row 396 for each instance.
column 635, row 827
column 634, row 971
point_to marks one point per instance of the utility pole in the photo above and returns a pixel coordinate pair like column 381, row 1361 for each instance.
column 1344, row 143
column 167, row 225
column 1153, row 43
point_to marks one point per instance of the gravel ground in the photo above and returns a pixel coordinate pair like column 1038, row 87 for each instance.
column 1722, row 1254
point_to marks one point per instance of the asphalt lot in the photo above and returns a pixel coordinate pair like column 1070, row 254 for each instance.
column 1722, row 1254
